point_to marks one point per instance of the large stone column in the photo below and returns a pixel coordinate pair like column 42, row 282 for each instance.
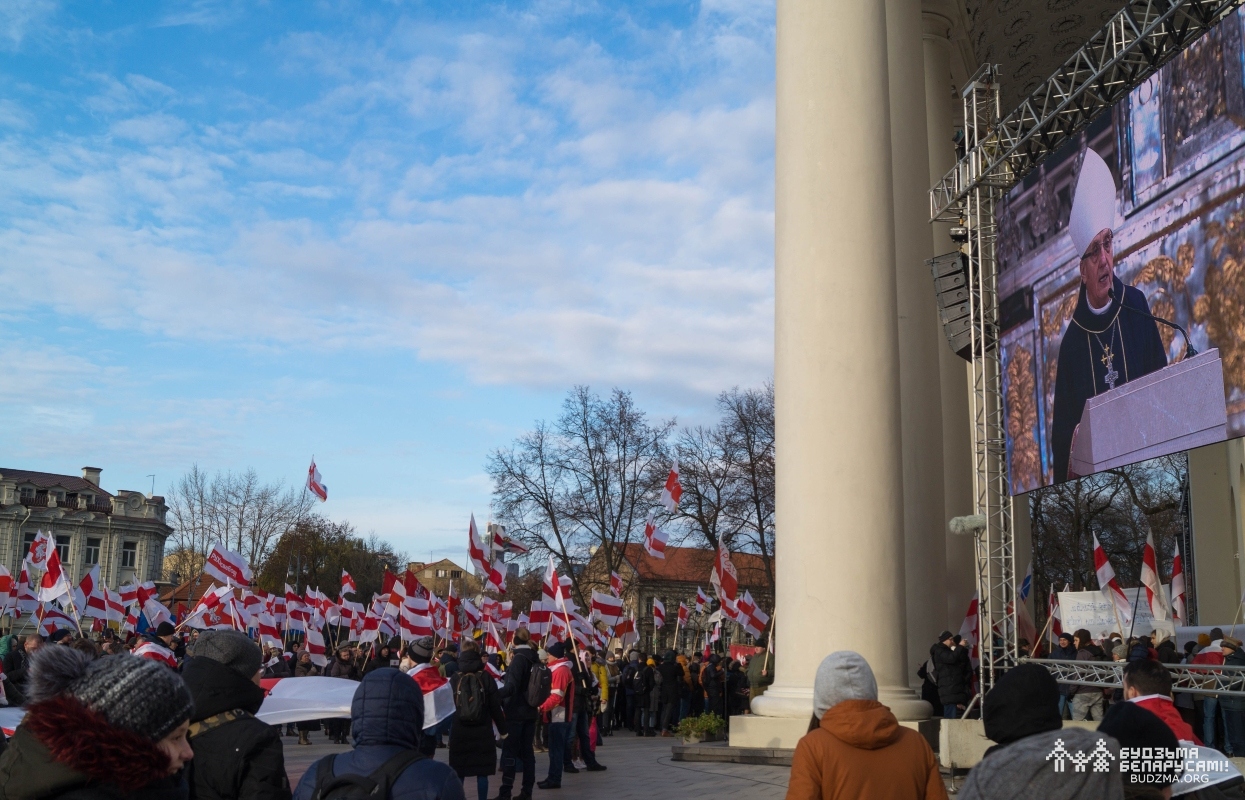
column 840, row 557
column 920, row 334
column 942, row 114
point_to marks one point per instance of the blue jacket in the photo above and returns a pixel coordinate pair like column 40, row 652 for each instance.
column 386, row 717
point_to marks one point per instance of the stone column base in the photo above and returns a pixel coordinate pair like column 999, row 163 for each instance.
column 784, row 733
column 751, row 730
column 797, row 703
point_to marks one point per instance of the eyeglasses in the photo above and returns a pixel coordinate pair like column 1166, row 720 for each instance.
column 1099, row 247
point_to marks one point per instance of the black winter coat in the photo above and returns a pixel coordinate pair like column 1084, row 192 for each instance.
column 387, row 717
column 514, row 693
column 472, row 748
column 239, row 758
column 955, row 674
column 671, row 678
column 15, row 664
column 624, row 678
column 341, row 669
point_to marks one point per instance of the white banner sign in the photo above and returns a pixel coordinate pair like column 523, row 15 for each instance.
column 1096, row 614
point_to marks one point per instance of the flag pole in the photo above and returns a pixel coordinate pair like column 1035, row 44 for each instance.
column 1235, row 617
column 769, row 645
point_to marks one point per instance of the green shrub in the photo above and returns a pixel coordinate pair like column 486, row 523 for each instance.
column 704, row 725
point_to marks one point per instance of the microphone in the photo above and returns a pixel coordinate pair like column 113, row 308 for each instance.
column 1189, row 352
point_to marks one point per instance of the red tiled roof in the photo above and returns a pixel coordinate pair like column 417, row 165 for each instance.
column 692, row 565
column 188, row 592
column 48, row 480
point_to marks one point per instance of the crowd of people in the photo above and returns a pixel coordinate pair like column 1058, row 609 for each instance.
column 1145, row 744
column 173, row 715
column 197, row 735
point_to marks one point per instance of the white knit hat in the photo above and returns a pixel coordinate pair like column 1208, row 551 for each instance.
column 1093, row 202
column 842, row 675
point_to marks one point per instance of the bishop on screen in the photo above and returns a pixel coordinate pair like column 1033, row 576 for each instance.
column 1102, row 347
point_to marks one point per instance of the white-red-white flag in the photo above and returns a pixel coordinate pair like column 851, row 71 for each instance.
column 607, row 607
column 1178, row 590
column 616, row 584
column 156, row 652
column 1056, row 617
column 684, row 614
column 227, row 566
column 702, row 600
column 659, row 613
column 315, row 483
column 553, row 587
column 1150, row 580
column 437, row 692
column 654, row 538
column 503, row 543
column 493, row 573
column 757, row 620
column 724, row 578
column 53, row 584
column 88, row 588
column 53, row 619
column 625, row 631
column 314, row 640
column 348, row 585
column 673, row 490
column 269, row 633
column 1109, row 586
column 7, row 595
column 40, row 549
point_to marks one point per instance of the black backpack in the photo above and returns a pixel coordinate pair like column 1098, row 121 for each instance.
column 359, row 787
column 539, row 685
column 469, row 700
column 638, row 681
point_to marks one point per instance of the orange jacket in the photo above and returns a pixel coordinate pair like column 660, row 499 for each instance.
column 861, row 751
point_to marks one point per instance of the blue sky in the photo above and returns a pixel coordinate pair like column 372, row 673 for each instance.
column 389, row 234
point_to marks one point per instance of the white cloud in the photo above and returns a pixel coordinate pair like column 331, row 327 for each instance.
column 591, row 218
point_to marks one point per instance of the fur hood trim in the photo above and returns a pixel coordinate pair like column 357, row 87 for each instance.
column 84, row 741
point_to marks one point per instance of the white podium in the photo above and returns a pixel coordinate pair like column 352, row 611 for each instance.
column 1179, row 407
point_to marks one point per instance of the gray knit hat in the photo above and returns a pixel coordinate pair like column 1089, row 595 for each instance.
column 1027, row 768
column 134, row 694
column 234, row 649
column 422, row 647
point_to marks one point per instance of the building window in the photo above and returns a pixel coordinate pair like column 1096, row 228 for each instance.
column 129, row 555
column 62, row 548
column 27, row 492
column 441, row 573
column 27, row 540
column 91, row 556
column 456, row 573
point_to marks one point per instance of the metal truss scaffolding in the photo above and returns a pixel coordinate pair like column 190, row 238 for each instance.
column 1189, row 678
column 999, row 151
column 1139, row 39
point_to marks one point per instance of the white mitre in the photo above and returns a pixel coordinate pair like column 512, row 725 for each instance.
column 1093, row 203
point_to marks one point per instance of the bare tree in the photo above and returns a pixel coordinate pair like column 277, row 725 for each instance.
column 748, row 420
column 583, row 484
column 1121, row 506
column 727, row 472
column 238, row 510
column 314, row 551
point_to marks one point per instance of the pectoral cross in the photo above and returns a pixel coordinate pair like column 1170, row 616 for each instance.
column 1108, row 361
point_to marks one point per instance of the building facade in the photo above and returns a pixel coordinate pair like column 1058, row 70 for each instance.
column 124, row 533
column 436, row 576
column 674, row 580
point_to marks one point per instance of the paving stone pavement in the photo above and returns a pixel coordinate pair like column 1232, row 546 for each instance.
column 638, row 769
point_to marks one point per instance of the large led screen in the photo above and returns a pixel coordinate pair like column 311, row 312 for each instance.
column 1141, row 216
